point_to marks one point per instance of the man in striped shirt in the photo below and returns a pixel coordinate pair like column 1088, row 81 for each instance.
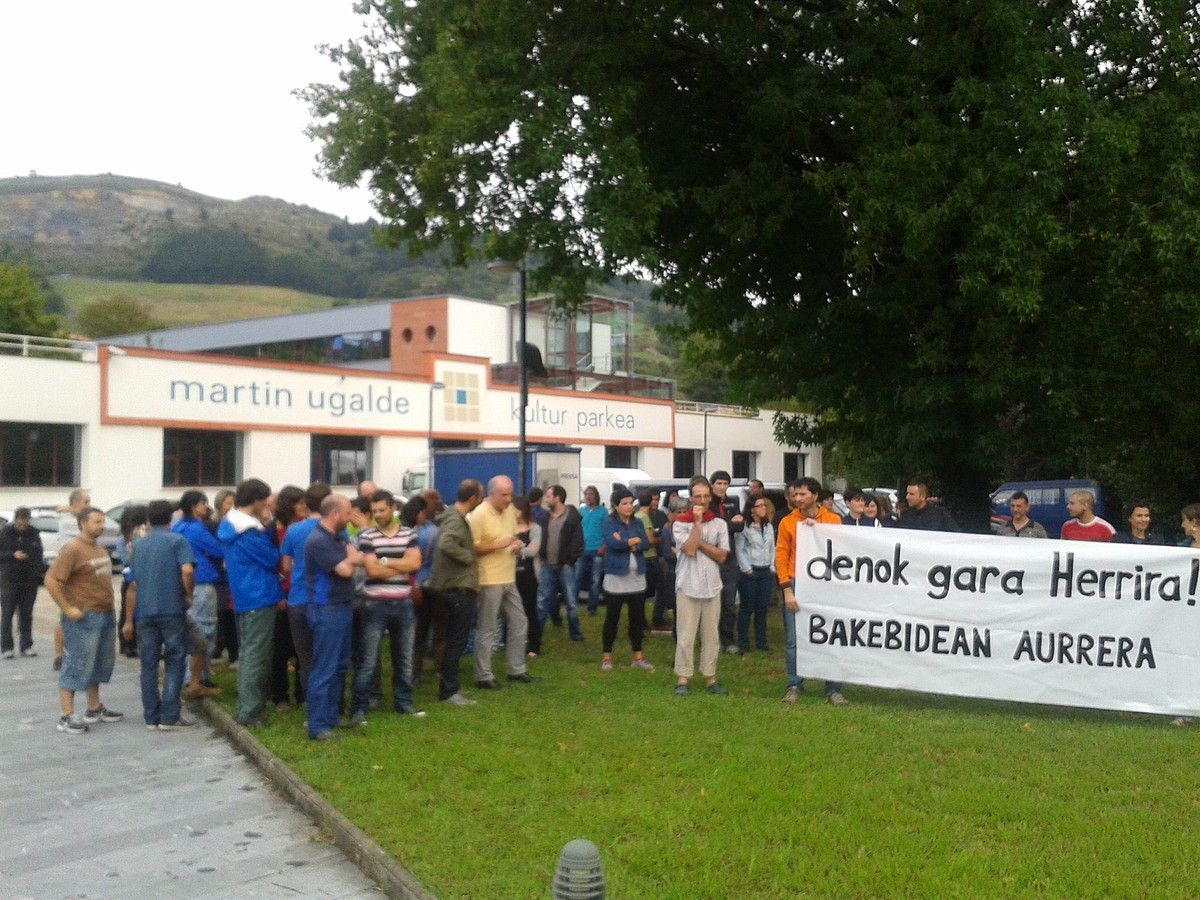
column 391, row 557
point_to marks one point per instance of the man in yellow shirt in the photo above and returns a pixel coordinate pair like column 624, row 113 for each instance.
column 494, row 530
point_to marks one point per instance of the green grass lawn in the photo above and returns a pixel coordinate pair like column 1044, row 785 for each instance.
column 741, row 796
column 191, row 304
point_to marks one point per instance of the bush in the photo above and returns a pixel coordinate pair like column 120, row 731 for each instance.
column 115, row 315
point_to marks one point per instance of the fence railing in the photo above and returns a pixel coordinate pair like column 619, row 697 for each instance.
column 716, row 409
column 47, row 347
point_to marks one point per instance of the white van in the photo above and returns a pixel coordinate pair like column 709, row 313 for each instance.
column 604, row 479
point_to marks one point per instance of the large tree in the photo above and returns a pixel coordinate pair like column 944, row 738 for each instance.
column 961, row 232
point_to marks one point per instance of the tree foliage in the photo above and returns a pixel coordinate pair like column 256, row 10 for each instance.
column 963, row 232
column 22, row 304
column 227, row 255
column 115, row 315
column 208, row 255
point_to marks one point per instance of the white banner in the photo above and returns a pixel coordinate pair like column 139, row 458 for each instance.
column 1110, row 626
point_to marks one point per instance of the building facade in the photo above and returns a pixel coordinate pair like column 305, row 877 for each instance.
column 150, row 415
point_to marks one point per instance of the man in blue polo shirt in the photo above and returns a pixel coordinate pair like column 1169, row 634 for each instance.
column 291, row 563
column 329, row 564
column 163, row 570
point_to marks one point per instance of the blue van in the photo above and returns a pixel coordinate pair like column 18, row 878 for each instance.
column 1047, row 501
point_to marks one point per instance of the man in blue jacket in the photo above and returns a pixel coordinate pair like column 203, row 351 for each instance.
column 252, row 567
column 209, row 558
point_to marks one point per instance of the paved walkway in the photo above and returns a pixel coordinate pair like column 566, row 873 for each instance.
column 122, row 812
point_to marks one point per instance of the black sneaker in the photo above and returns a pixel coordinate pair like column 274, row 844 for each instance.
column 102, row 714
column 71, row 725
column 56, row 666
column 524, row 678
column 488, row 685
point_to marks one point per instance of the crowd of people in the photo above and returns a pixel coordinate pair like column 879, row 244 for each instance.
column 299, row 587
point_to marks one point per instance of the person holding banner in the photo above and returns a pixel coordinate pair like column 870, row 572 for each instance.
column 701, row 539
column 921, row 515
column 804, row 499
column 1021, row 525
column 856, row 502
column 1084, row 524
column 1139, row 527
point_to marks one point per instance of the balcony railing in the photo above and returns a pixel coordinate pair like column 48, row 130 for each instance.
column 590, row 382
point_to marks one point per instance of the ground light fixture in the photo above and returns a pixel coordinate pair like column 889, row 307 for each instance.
column 579, row 875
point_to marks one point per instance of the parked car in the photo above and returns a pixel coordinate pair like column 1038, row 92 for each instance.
column 117, row 511
column 46, row 520
column 1047, row 501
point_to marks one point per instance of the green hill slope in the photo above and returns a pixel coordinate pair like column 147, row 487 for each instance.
column 190, row 304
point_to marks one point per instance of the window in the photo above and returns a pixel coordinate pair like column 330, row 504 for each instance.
column 745, row 464
column 687, row 463
column 620, row 457
column 794, row 465
column 35, row 454
column 339, row 459
column 195, row 457
column 583, row 342
column 351, row 347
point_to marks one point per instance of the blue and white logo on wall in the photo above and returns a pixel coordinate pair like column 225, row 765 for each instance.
column 461, row 403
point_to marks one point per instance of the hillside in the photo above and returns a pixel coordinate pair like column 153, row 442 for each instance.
column 115, row 227
column 108, row 225
column 188, row 304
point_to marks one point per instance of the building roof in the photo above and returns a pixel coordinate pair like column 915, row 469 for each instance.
column 375, row 316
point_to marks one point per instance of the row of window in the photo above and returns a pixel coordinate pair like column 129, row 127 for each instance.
column 214, row 457
column 33, row 454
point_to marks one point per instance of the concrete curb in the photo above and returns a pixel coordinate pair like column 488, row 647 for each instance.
column 376, row 864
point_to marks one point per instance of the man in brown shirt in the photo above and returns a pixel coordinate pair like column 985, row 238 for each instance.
column 80, row 582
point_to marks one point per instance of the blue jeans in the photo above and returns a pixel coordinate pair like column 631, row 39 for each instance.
column 399, row 619
column 549, row 582
column 793, row 679
column 162, row 636
column 91, row 645
column 331, row 659
column 754, row 588
column 589, row 571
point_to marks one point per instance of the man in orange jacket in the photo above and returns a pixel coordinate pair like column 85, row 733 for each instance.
column 804, row 499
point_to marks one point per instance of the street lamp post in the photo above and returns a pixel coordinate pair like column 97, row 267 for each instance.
column 520, row 270
column 710, row 408
column 435, row 386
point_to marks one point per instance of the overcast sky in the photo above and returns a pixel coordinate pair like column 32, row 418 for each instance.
column 198, row 94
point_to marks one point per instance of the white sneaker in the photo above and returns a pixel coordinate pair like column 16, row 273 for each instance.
column 459, row 700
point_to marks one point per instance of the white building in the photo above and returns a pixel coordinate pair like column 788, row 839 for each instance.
column 346, row 394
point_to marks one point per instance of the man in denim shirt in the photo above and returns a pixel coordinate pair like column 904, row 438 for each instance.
column 160, row 592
